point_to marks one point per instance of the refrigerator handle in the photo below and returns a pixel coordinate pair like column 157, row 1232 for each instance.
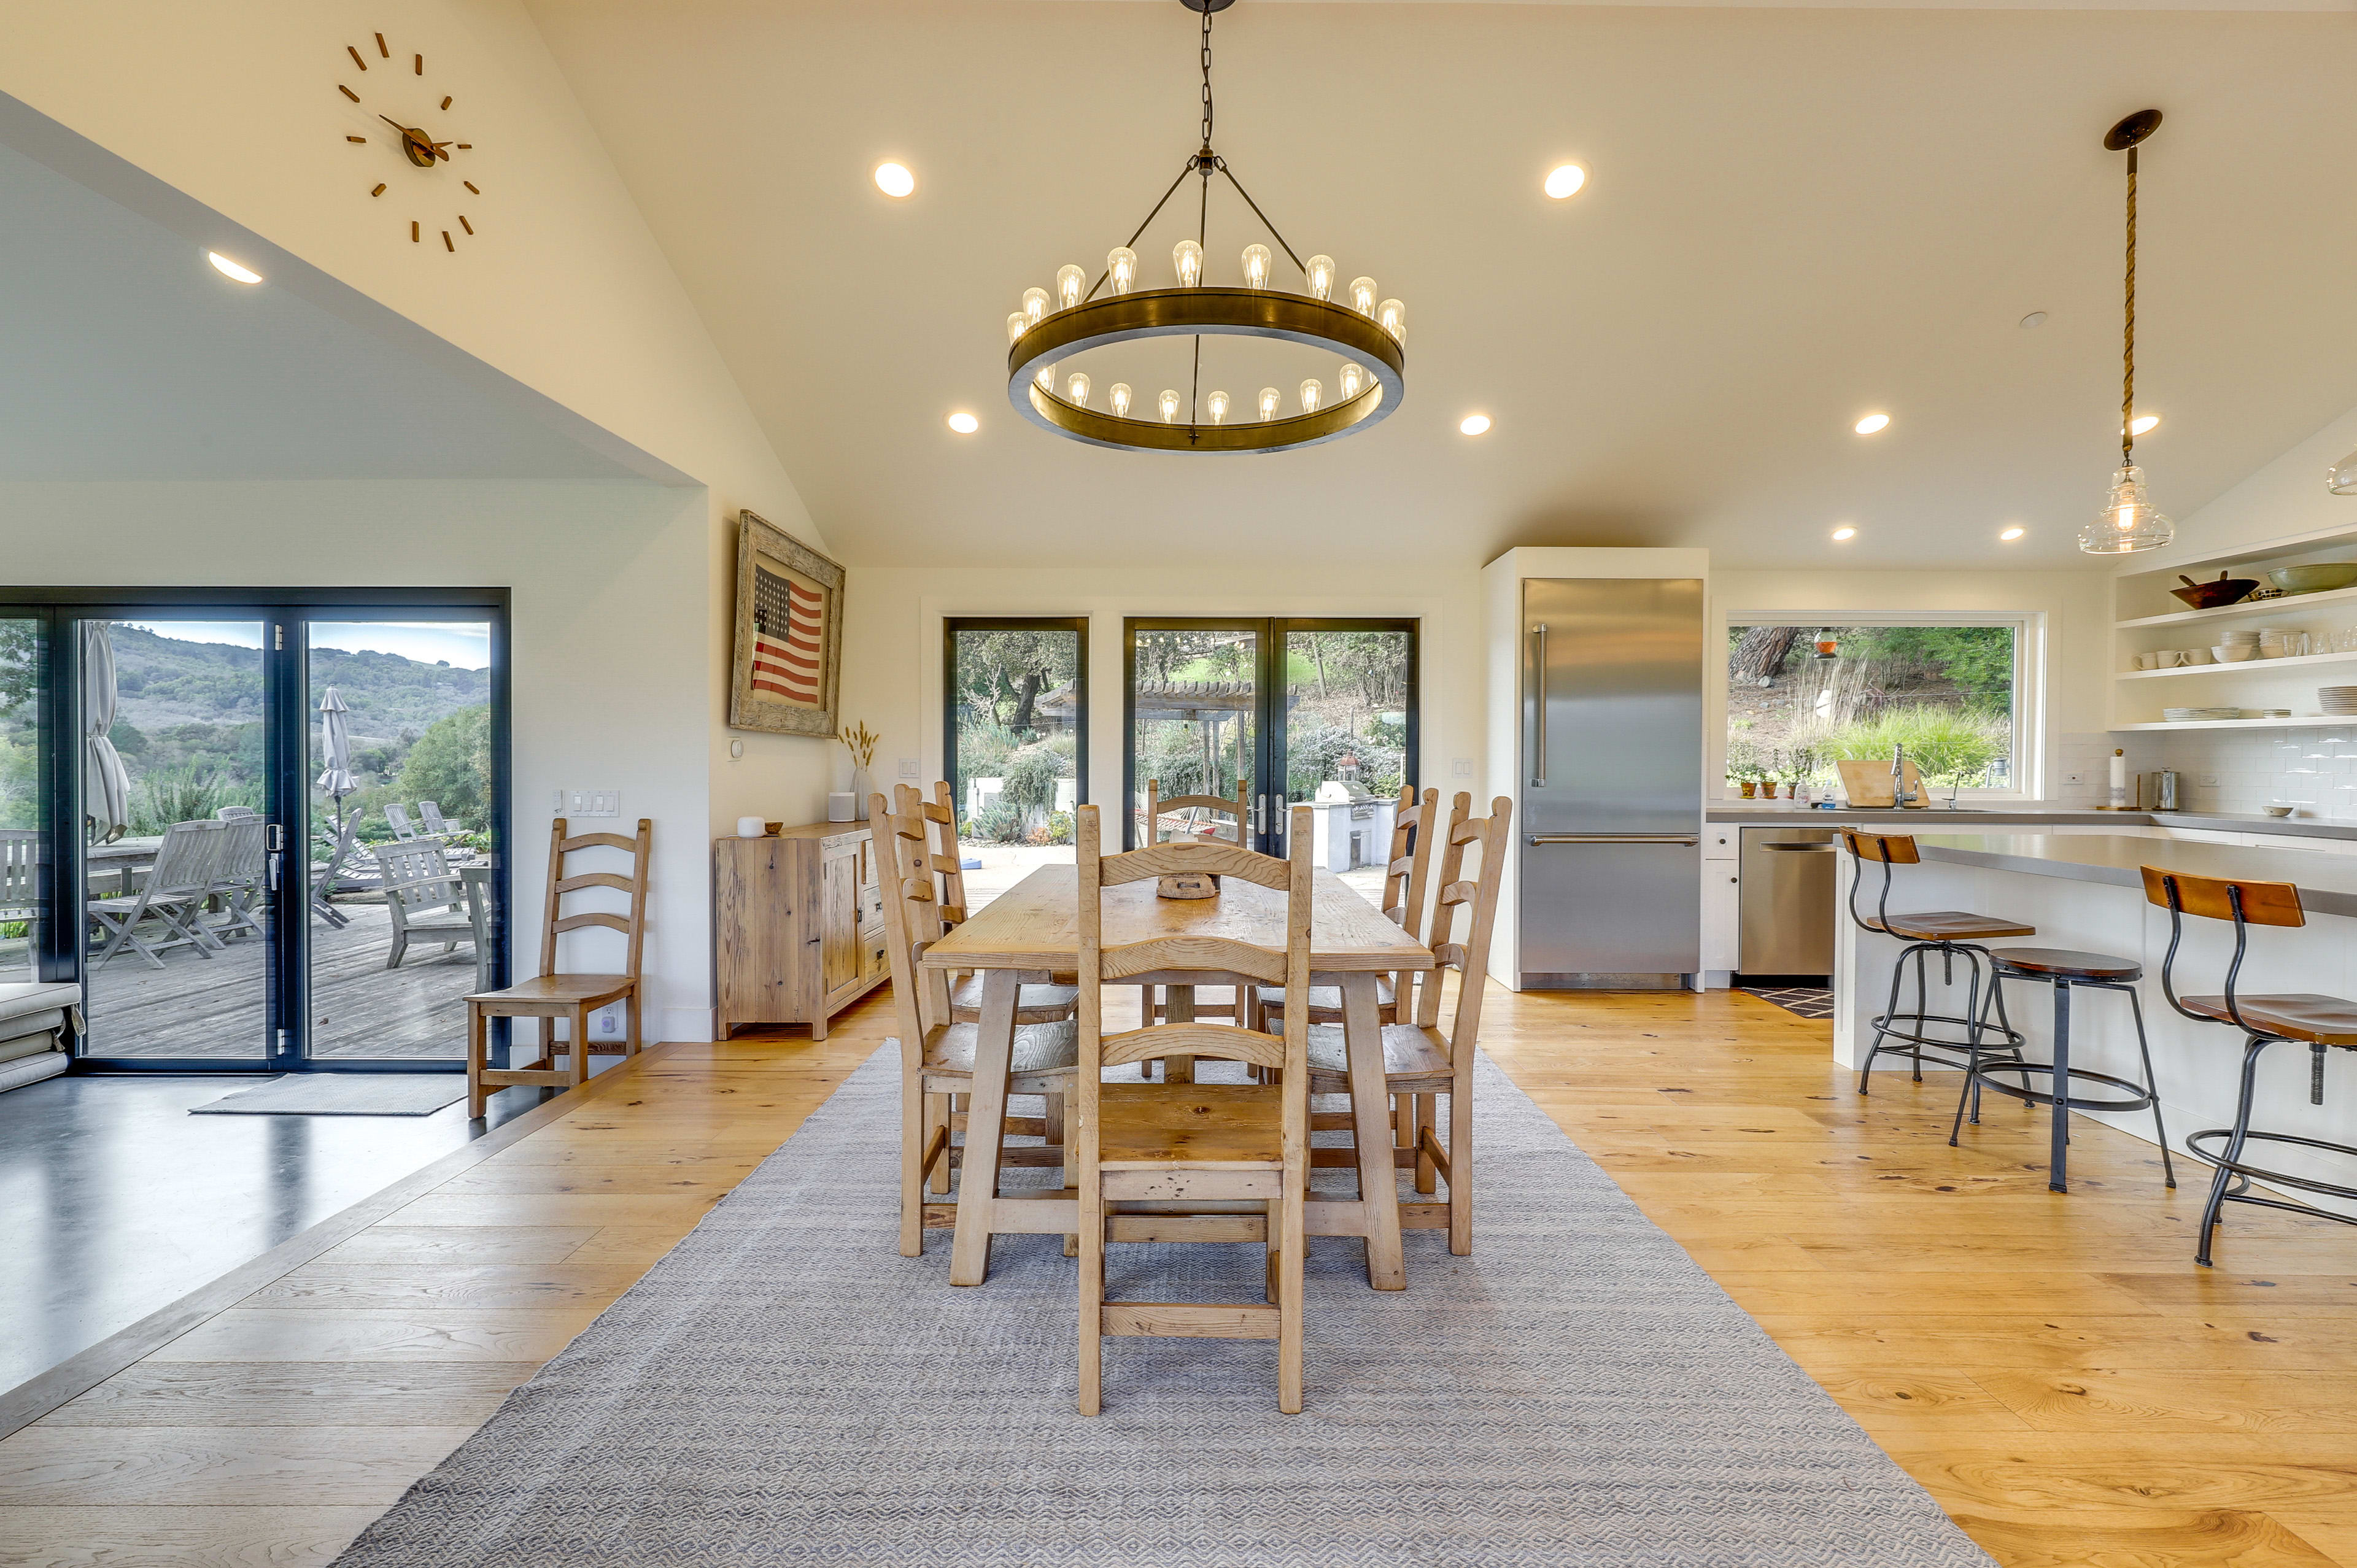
column 1687, row 840
column 1538, row 775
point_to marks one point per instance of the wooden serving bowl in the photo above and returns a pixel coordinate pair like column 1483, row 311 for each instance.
column 2209, row 595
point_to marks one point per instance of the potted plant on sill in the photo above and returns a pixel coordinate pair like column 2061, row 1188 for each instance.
column 1743, row 769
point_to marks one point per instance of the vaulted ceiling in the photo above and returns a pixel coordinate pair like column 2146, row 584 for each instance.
column 1793, row 218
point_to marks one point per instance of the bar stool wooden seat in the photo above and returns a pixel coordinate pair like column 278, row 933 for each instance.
column 2318, row 1022
column 2065, row 969
column 1951, row 933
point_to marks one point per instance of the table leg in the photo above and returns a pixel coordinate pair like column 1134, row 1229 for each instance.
column 1363, row 1038
column 986, row 1127
column 1179, row 1008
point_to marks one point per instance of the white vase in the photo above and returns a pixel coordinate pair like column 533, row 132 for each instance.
column 860, row 790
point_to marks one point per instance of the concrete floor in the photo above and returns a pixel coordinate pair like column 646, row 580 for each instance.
column 115, row 1201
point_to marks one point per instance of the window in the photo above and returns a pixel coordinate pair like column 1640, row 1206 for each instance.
column 1016, row 742
column 1802, row 697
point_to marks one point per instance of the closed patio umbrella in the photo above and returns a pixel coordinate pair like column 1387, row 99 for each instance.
column 105, row 786
column 336, row 746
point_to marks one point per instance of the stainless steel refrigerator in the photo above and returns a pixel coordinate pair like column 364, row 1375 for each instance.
column 1610, row 815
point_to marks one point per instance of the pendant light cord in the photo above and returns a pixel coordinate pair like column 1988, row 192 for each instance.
column 2127, row 337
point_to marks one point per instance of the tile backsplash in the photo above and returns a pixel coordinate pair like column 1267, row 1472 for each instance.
column 2312, row 770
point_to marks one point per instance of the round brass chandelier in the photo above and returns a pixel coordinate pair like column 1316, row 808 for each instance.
column 1370, row 334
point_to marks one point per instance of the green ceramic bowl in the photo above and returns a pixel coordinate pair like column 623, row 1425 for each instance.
column 2320, row 578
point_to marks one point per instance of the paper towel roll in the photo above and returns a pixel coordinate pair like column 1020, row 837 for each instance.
column 2119, row 781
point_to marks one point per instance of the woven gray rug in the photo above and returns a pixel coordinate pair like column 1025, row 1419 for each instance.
column 342, row 1094
column 785, row 1388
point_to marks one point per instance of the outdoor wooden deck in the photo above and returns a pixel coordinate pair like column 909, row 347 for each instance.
column 196, row 1007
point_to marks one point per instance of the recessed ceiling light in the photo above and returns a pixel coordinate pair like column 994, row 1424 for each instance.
column 894, row 180
column 1564, row 179
column 1870, row 424
column 1475, row 424
column 2010, row 534
column 1845, row 532
column 964, row 423
column 229, row 269
column 2142, row 423
column 2035, row 318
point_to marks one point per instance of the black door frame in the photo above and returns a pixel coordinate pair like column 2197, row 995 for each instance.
column 285, row 613
column 1269, row 710
column 951, row 627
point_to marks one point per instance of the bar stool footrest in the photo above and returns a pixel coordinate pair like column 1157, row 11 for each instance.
column 1995, row 1038
column 2250, row 1172
column 1984, row 1074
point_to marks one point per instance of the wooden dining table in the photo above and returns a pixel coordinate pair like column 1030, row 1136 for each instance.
column 1032, row 930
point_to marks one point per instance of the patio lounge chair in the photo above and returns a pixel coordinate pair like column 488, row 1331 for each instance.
column 404, row 830
column 172, row 897
column 430, row 813
column 426, row 899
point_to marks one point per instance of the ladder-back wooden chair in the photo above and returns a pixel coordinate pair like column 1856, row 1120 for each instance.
column 1238, row 811
column 936, row 1051
column 551, row 995
column 1219, row 1142
column 1422, row 1062
column 1413, row 831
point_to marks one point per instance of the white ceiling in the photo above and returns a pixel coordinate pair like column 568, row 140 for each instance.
column 128, row 357
column 1794, row 216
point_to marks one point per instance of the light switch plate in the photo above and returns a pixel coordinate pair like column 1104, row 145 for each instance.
column 1460, row 767
column 909, row 767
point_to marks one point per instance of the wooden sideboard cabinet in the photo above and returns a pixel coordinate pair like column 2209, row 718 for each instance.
column 797, row 924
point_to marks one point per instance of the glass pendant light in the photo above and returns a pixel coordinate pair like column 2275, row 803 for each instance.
column 1257, row 259
column 1121, row 269
column 1313, row 392
column 1187, row 259
column 2341, row 477
column 1321, row 276
column 1017, row 324
column 1035, row 305
column 1119, row 397
column 1362, row 296
column 1350, row 380
column 1076, row 390
column 2128, row 521
column 1218, row 404
column 1392, row 316
column 1269, row 399
column 1169, row 404
column 1070, row 281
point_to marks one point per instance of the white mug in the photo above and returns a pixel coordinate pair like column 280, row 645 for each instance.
column 2144, row 660
column 748, row 827
column 2198, row 656
column 2167, row 659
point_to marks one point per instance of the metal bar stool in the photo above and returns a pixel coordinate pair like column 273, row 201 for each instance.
column 1948, row 932
column 2314, row 1021
column 2064, row 969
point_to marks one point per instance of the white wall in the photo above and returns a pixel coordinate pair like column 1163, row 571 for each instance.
column 892, row 647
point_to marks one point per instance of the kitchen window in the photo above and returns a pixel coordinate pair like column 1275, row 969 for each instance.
column 1804, row 695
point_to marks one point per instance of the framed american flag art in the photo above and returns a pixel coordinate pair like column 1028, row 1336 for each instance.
column 788, row 633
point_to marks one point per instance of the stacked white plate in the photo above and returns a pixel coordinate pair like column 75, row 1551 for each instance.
column 2239, row 637
column 2338, row 699
column 2183, row 715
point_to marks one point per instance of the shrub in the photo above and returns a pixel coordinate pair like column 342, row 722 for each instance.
column 999, row 823
column 171, row 795
column 1031, row 777
column 450, row 764
column 1951, row 744
column 1060, row 827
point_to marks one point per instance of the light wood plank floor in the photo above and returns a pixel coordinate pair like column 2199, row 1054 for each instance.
column 2053, row 1369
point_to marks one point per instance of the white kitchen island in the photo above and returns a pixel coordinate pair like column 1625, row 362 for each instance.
column 2085, row 891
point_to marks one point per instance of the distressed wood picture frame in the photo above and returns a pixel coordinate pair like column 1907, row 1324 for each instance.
column 789, row 645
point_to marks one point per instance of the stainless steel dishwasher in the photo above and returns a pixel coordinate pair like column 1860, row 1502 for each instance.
column 1786, row 920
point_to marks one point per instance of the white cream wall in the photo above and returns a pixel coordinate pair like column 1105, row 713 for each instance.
column 892, row 645
column 564, row 289
column 606, row 631
column 2075, row 607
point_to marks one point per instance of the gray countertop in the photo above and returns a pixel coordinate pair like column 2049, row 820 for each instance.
column 2326, row 883
column 1765, row 815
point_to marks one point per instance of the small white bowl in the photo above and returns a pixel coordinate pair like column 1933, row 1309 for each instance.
column 2236, row 654
column 2279, row 811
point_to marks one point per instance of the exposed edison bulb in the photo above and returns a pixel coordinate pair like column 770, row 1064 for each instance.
column 1035, row 305
column 1269, row 398
column 1017, row 325
column 1218, row 404
column 1362, row 296
column 1169, row 404
column 1119, row 397
column 1313, row 392
column 1070, row 281
column 1076, row 390
column 2127, row 523
column 1392, row 317
column 1047, row 379
column 1321, row 276
column 1187, row 258
column 1121, row 269
column 1256, row 260
column 1350, row 380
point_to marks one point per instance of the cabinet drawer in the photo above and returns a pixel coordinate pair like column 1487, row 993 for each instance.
column 876, row 954
column 1720, row 843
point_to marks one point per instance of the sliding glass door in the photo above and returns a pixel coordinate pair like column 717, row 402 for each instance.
column 1015, row 742
column 280, row 817
column 1321, row 712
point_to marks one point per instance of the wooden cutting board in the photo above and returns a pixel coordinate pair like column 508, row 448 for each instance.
column 1869, row 784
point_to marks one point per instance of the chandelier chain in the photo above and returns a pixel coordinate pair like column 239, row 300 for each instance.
column 1207, row 78
column 2127, row 335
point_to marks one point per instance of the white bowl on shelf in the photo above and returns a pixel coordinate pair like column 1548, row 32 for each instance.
column 2234, row 652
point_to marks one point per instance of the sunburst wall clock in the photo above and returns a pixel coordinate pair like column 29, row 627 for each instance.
column 428, row 190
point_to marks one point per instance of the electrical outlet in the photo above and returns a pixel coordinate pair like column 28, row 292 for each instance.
column 2210, row 779
column 1460, row 767
column 2073, row 780
column 909, row 767
column 606, row 1023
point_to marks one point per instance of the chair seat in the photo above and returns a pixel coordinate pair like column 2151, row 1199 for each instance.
column 1033, row 1003
column 1039, row 1048
column 2321, row 1020
column 555, row 988
column 1410, row 1053
column 1952, row 924
column 2065, row 964
column 1191, row 1125
column 458, row 925
column 1327, row 998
